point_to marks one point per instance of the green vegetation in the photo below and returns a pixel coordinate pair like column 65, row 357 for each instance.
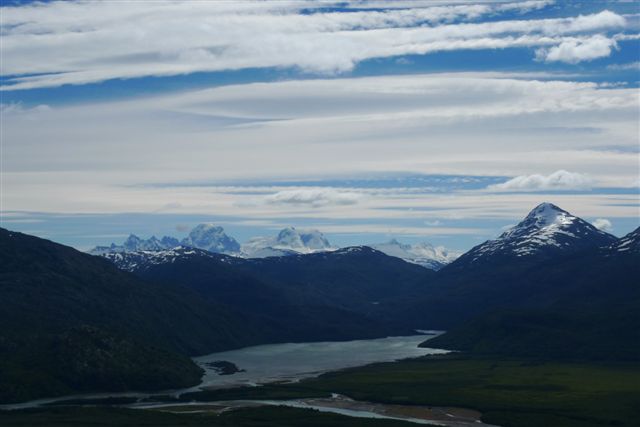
column 509, row 392
column 607, row 333
column 72, row 322
column 253, row 417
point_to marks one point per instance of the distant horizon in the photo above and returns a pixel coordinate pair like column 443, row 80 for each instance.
column 184, row 230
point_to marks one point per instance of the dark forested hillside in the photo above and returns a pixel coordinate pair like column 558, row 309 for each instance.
column 585, row 306
column 347, row 293
column 72, row 321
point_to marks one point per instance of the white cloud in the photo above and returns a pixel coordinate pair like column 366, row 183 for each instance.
column 52, row 44
column 603, row 224
column 559, row 180
column 628, row 66
column 525, row 6
column 18, row 108
column 85, row 158
column 577, row 50
column 314, row 197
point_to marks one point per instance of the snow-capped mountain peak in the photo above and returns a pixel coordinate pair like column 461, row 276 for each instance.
column 289, row 237
column 288, row 241
column 204, row 236
column 544, row 216
column 134, row 243
column 211, row 238
column 546, row 230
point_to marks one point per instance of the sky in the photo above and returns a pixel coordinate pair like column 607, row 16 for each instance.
column 436, row 121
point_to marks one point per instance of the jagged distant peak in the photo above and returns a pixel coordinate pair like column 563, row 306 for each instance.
column 207, row 227
column 212, row 238
column 306, row 237
column 288, row 241
column 204, row 236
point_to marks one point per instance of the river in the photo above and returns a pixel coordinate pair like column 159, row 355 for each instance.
column 294, row 361
column 279, row 363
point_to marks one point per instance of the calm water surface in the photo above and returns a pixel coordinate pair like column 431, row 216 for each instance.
column 282, row 362
column 290, row 362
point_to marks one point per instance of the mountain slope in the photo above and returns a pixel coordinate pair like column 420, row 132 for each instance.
column 547, row 231
column 504, row 272
column 588, row 306
column 356, row 290
column 357, row 278
column 629, row 244
column 111, row 330
column 287, row 309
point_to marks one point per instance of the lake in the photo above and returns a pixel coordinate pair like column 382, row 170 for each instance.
column 281, row 363
column 295, row 361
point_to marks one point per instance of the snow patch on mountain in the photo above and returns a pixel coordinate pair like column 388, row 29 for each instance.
column 211, row 238
column 289, row 241
column 423, row 254
column 204, row 236
column 628, row 244
column 546, row 229
column 135, row 243
column 142, row 260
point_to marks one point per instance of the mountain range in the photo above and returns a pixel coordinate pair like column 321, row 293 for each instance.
column 552, row 286
column 204, row 236
column 73, row 322
column 288, row 241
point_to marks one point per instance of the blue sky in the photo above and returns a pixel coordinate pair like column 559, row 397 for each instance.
column 439, row 121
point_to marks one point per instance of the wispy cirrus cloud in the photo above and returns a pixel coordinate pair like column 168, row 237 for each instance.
column 626, row 66
column 52, row 44
column 314, row 197
column 457, row 124
column 559, row 180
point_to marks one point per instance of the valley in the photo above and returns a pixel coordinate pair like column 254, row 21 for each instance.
column 303, row 213
column 532, row 335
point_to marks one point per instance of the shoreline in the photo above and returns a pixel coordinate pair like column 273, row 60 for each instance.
column 338, row 404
